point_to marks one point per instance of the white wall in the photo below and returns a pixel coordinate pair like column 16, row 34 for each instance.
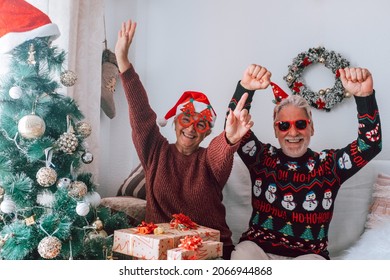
column 206, row 45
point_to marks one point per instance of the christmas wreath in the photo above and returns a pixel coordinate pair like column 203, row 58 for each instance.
column 324, row 99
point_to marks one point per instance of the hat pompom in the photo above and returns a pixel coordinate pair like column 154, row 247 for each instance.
column 162, row 122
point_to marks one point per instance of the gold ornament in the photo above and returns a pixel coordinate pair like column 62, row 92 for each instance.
column 347, row 94
column 68, row 78
column 84, row 129
column 289, row 78
column 46, row 176
column 77, row 189
column 158, row 230
column 98, row 224
column 31, row 126
column 30, row 220
column 97, row 234
column 49, row 247
column 68, row 142
column 321, row 92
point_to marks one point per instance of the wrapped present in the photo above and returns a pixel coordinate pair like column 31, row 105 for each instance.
column 133, row 242
column 193, row 248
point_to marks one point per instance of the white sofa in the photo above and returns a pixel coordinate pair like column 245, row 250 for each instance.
column 350, row 214
column 351, row 206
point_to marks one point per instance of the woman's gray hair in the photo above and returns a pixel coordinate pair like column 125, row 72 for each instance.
column 294, row 100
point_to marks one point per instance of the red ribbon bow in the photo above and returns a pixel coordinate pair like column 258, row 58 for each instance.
column 182, row 222
column 190, row 242
column 146, row 228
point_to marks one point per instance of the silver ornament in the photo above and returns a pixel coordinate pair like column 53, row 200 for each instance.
column 87, row 157
column 84, row 129
column 31, row 55
column 78, row 189
column 63, row 183
column 68, row 142
column 49, row 247
column 46, row 176
column 15, row 92
column 31, row 126
column 68, row 78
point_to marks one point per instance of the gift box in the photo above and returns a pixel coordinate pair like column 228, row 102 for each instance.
column 155, row 246
column 208, row 250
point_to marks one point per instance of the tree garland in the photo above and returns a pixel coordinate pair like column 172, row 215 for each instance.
column 324, row 99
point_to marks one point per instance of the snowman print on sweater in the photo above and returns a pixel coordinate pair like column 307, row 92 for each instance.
column 288, row 201
column 270, row 193
column 257, row 187
column 310, row 202
column 327, row 200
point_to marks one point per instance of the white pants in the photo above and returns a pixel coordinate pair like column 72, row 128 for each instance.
column 248, row 250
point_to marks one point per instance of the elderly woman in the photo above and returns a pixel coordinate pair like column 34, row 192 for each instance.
column 181, row 177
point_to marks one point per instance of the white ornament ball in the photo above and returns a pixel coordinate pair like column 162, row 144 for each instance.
column 7, row 206
column 15, row 92
column 46, row 176
column 49, row 247
column 82, row 209
column 78, row 189
column 93, row 198
column 63, row 183
column 31, row 126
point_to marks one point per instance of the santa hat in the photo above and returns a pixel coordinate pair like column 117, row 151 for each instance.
column 191, row 100
column 20, row 22
column 279, row 93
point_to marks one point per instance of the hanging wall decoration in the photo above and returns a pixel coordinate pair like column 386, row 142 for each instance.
column 326, row 98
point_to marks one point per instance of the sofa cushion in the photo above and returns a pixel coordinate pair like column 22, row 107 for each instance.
column 352, row 207
column 237, row 199
column 134, row 184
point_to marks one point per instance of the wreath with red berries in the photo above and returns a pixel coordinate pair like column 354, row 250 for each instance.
column 324, row 99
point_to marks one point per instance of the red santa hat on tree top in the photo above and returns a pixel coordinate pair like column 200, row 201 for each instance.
column 279, row 93
column 20, row 22
column 192, row 102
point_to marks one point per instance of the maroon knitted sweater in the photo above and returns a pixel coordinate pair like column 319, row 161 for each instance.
column 178, row 183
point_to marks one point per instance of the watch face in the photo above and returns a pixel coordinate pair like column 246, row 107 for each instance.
column 257, row 187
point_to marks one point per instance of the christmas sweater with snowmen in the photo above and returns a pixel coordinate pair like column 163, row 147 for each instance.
column 293, row 198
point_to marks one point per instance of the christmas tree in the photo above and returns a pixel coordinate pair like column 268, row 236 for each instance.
column 49, row 208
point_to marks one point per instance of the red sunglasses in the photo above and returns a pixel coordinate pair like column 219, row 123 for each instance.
column 286, row 125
